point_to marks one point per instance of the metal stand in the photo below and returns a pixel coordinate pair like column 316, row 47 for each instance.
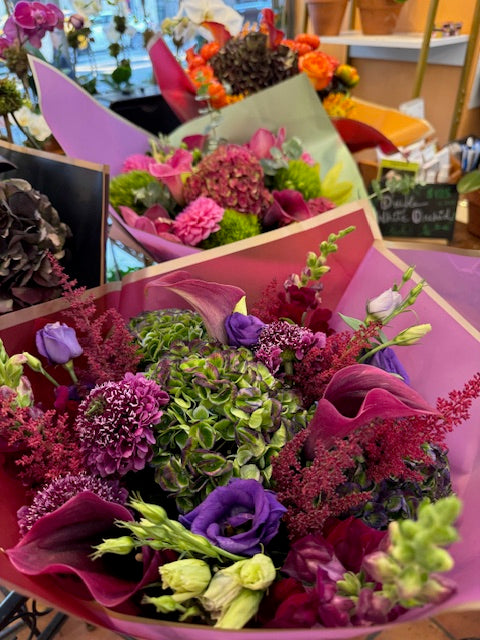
column 18, row 612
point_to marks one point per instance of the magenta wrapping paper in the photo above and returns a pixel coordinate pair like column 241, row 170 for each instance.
column 454, row 274
column 363, row 268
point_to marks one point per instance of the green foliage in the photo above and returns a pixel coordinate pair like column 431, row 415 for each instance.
column 301, row 177
column 233, row 226
column 469, row 182
column 10, row 97
column 124, row 188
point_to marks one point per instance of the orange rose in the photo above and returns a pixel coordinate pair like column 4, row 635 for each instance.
column 300, row 47
column 193, row 59
column 319, row 68
column 209, row 50
column 201, row 75
column 311, row 39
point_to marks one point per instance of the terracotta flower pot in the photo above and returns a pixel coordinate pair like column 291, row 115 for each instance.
column 378, row 17
column 473, row 224
column 326, row 16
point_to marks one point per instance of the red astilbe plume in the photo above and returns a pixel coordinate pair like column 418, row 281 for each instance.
column 107, row 344
column 44, row 444
column 314, row 372
column 310, row 492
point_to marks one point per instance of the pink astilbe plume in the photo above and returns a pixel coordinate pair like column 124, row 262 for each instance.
column 44, row 444
column 107, row 344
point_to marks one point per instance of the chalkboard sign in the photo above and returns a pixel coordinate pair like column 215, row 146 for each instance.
column 78, row 190
column 427, row 211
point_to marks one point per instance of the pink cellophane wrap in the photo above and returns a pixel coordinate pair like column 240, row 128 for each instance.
column 444, row 359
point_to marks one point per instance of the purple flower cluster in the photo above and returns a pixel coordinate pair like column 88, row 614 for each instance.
column 282, row 341
column 29, row 22
column 60, row 490
column 115, row 421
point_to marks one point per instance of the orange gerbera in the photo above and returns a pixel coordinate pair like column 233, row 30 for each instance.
column 319, row 68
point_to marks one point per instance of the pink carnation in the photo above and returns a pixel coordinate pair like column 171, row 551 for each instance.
column 137, row 162
column 198, row 221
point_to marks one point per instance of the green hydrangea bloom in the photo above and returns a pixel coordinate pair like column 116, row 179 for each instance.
column 157, row 332
column 10, row 97
column 124, row 186
column 227, row 416
column 300, row 176
column 233, row 226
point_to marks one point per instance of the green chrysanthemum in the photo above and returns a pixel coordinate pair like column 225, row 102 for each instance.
column 300, row 176
column 10, row 97
column 227, row 417
column 123, row 189
column 157, row 331
column 233, row 226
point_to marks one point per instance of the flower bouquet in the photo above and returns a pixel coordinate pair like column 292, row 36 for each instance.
column 259, row 155
column 275, row 480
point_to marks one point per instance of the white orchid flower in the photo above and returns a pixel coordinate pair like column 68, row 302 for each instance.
column 39, row 128
column 112, row 35
column 199, row 11
column 23, row 116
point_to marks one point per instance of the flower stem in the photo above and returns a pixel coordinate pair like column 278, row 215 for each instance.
column 379, row 347
column 26, row 134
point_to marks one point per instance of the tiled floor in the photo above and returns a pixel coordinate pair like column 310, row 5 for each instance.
column 464, row 625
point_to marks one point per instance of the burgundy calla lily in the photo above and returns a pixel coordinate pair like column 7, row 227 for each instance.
column 288, row 206
column 358, row 135
column 62, row 541
column 355, row 396
column 213, row 301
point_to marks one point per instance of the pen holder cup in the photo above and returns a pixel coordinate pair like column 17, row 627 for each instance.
column 473, row 224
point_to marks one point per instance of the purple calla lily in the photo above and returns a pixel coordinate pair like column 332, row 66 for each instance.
column 288, row 206
column 213, row 301
column 62, row 541
column 355, row 396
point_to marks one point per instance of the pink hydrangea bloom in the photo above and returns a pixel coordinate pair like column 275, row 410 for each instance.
column 197, row 221
column 137, row 162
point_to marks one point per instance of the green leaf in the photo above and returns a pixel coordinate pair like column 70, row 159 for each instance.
column 250, row 472
column 469, row 182
column 353, row 323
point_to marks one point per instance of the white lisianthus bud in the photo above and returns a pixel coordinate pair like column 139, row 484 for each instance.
column 221, row 592
column 189, row 575
column 241, row 610
column 384, row 305
column 257, row 573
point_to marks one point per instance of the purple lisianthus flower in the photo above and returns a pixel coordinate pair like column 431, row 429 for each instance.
column 243, row 330
column 240, row 518
column 58, row 342
column 387, row 360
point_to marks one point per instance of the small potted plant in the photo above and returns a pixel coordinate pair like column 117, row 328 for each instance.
column 326, row 16
column 379, row 17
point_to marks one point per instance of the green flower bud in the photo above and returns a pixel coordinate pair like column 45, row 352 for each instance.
column 411, row 335
column 222, row 590
column 33, row 363
column 121, row 546
column 257, row 573
column 152, row 512
column 409, row 583
column 189, row 576
column 241, row 610
column 164, row 604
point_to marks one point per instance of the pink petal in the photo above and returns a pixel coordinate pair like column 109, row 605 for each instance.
column 156, row 211
column 213, row 301
column 129, row 215
column 195, row 141
column 144, row 224
column 261, row 142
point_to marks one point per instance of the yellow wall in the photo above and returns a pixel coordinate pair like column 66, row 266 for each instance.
column 390, row 82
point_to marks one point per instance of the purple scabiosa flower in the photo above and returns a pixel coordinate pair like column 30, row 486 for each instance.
column 114, row 424
column 240, row 517
column 198, row 220
column 243, row 330
column 282, row 341
column 60, row 490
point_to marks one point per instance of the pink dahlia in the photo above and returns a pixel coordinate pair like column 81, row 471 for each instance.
column 233, row 177
column 60, row 490
column 197, row 221
column 115, row 424
column 137, row 162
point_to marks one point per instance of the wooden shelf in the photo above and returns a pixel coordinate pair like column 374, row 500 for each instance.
column 406, row 47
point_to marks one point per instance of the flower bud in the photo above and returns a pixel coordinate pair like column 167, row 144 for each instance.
column 152, row 512
column 241, row 610
column 58, row 342
column 121, row 546
column 33, row 363
column 188, row 576
column 380, row 566
column 384, row 305
column 412, row 335
column 348, row 75
column 163, row 604
column 221, row 592
column 257, row 573
column 409, row 583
